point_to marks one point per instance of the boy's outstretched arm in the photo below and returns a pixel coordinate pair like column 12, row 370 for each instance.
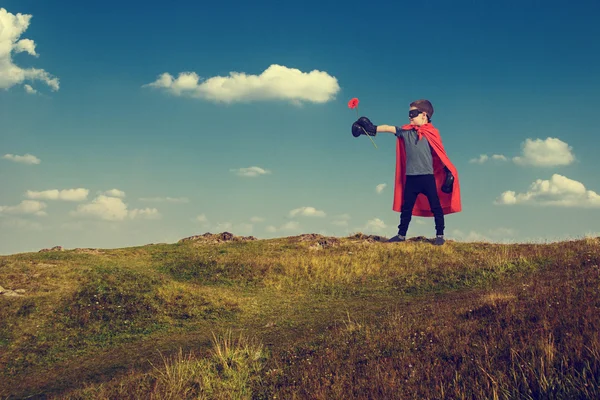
column 373, row 129
column 386, row 128
column 399, row 132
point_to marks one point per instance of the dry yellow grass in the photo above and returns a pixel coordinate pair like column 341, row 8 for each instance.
column 330, row 317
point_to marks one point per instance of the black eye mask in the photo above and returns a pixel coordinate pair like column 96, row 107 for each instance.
column 414, row 113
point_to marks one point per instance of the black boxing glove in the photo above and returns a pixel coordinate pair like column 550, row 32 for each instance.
column 357, row 130
column 368, row 125
column 448, row 182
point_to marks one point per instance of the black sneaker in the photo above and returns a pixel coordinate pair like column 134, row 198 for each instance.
column 396, row 239
column 439, row 241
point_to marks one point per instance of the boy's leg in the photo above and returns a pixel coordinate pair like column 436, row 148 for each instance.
column 411, row 191
column 430, row 191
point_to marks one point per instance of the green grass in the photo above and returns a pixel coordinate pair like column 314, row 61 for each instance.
column 313, row 318
column 227, row 372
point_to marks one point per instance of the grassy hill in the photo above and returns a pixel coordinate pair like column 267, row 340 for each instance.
column 303, row 317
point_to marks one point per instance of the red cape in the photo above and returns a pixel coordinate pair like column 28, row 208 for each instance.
column 450, row 201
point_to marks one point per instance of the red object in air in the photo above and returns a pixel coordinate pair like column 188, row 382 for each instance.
column 353, row 103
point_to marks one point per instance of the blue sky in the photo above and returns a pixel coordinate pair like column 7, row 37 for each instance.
column 128, row 124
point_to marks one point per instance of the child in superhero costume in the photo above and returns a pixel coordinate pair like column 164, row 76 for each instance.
column 426, row 182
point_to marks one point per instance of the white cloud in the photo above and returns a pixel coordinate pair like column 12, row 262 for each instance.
column 11, row 28
column 201, row 218
column 223, row 226
column 550, row 152
column 545, row 153
column 26, row 159
column 498, row 235
column 25, row 207
column 341, row 220
column 166, row 199
column 289, row 226
column 380, row 187
column 484, row 158
column 256, row 219
column 558, row 191
column 103, row 207
column 79, row 194
column 250, row 172
column 307, row 212
column 277, row 82
column 375, row 225
column 25, row 45
column 29, row 89
column 507, row 197
column 243, row 229
column 502, row 232
column 145, row 213
column 114, row 193
column 472, row 236
column 113, row 209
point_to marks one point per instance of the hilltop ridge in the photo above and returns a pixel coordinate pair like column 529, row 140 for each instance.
column 324, row 316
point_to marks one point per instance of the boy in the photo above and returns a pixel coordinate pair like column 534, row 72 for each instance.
column 426, row 181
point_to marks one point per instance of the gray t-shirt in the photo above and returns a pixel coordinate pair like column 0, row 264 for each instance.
column 419, row 160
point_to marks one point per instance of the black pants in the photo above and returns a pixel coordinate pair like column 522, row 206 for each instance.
column 416, row 184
